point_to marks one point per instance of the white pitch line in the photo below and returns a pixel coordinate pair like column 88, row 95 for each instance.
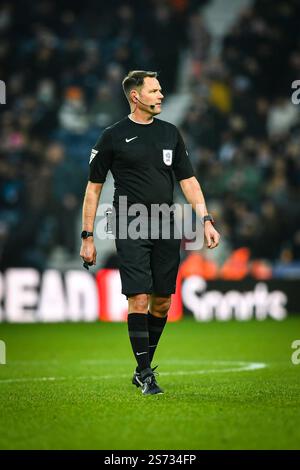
column 249, row 367
column 242, row 366
column 118, row 361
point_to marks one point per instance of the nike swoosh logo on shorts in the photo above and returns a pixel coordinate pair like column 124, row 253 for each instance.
column 129, row 140
column 139, row 354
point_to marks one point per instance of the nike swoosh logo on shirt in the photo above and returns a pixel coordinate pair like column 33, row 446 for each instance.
column 138, row 354
column 128, row 140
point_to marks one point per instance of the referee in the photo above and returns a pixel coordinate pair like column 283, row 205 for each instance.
column 144, row 154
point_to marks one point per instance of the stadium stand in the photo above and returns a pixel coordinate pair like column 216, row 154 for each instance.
column 63, row 74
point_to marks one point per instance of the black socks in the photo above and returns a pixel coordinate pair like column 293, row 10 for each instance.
column 139, row 338
column 144, row 331
column 155, row 327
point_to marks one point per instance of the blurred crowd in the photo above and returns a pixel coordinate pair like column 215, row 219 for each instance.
column 63, row 63
column 243, row 130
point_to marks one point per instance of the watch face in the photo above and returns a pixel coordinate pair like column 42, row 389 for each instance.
column 86, row 234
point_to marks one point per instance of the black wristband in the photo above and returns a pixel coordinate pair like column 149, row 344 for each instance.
column 86, row 234
column 207, row 218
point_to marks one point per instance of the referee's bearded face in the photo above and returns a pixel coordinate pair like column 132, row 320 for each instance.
column 150, row 94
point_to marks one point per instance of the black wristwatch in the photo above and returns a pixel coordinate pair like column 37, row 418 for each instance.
column 206, row 218
column 86, row 234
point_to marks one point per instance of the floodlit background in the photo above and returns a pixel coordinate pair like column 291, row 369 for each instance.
column 230, row 73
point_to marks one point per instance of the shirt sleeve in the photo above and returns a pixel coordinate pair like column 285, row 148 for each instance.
column 101, row 158
column 182, row 166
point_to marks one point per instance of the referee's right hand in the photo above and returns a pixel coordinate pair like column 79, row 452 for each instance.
column 88, row 251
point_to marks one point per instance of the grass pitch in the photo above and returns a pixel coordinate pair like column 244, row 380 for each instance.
column 227, row 386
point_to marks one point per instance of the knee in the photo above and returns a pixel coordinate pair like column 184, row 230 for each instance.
column 138, row 303
column 160, row 307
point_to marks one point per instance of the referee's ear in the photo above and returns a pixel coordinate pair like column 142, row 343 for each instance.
column 133, row 97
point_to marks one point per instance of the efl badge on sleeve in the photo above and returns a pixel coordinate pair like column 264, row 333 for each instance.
column 168, row 156
column 93, row 154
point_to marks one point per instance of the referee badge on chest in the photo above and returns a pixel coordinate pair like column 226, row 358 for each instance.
column 168, row 157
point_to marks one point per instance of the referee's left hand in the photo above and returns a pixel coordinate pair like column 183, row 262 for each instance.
column 212, row 237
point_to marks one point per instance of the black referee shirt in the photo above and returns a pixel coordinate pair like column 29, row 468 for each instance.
column 142, row 159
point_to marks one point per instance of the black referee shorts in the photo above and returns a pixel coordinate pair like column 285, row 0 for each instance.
column 148, row 265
